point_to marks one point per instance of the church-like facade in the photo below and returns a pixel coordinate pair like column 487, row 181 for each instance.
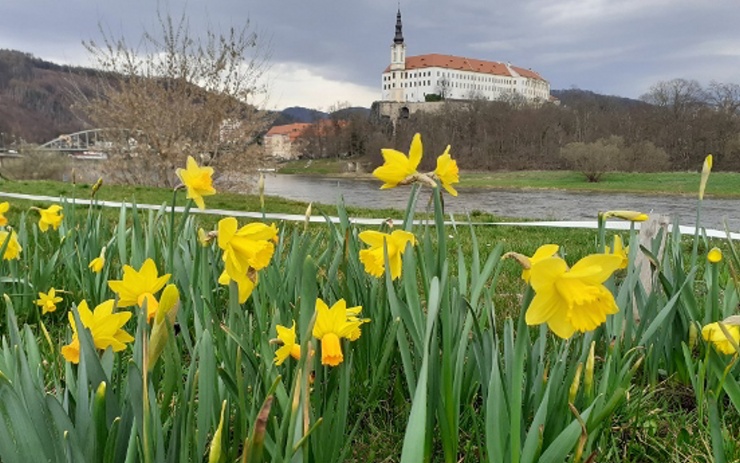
column 429, row 77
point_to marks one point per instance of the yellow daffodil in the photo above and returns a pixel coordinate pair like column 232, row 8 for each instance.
column 244, row 283
column 105, row 327
column 575, row 299
column 374, row 258
column 250, row 246
column 13, row 250
column 397, row 168
column 543, row 252
column 714, row 334
column 96, row 265
column 705, row 171
column 289, row 348
column 330, row 327
column 632, row 216
column 714, row 255
column 4, row 207
column 197, row 180
column 352, row 316
column 618, row 249
column 48, row 301
column 447, row 171
column 139, row 286
column 50, row 217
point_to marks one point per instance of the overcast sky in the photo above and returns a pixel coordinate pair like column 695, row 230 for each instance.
column 324, row 52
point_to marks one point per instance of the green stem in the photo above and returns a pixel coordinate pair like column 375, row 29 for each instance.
column 171, row 248
column 695, row 249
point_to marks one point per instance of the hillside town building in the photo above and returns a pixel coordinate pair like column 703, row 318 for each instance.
column 434, row 76
column 282, row 141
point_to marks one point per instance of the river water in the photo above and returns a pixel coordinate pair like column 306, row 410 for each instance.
column 523, row 204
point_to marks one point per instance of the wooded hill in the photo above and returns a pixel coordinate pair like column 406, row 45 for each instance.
column 36, row 98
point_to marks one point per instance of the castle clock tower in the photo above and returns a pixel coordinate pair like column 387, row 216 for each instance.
column 398, row 61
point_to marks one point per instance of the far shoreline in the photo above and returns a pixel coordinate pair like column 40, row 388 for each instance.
column 721, row 185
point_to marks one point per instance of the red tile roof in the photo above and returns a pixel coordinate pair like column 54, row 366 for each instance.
column 293, row 131
column 465, row 64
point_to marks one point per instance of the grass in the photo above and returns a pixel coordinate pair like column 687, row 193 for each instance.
column 574, row 243
column 721, row 185
column 656, row 423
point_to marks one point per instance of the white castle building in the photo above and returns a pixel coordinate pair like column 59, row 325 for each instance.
column 412, row 78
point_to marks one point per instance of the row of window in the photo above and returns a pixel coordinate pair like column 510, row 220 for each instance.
column 476, row 77
column 409, row 75
column 454, row 75
column 417, row 83
column 463, row 86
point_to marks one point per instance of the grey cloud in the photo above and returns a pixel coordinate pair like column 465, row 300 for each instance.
column 615, row 46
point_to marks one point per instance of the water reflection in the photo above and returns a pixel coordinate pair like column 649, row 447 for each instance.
column 528, row 204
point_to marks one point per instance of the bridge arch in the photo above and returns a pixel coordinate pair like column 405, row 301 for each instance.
column 93, row 140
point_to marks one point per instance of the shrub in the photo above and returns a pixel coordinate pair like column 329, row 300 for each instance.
column 644, row 157
column 594, row 159
column 36, row 165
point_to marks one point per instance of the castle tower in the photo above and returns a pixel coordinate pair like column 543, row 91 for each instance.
column 398, row 61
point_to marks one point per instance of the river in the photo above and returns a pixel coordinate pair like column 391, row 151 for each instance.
column 523, row 204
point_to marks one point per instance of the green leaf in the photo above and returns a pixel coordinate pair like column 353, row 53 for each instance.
column 415, row 436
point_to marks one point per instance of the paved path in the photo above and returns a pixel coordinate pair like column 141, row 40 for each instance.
column 588, row 224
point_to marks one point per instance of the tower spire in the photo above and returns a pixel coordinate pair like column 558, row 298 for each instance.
column 399, row 32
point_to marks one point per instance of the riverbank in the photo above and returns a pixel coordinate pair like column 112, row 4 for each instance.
column 721, row 185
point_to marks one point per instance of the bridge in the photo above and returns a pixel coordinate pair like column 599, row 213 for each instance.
column 87, row 144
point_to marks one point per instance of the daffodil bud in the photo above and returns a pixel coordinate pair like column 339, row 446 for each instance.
column 693, row 335
column 96, row 187
column 705, row 170
column 588, row 376
column 308, row 216
column 202, row 237
column 100, row 392
column 632, row 216
column 714, row 256
column 261, row 188
column 169, row 303
column 575, row 384
column 296, row 394
column 167, row 309
column 214, row 455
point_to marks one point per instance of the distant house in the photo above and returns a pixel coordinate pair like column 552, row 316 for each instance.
column 281, row 141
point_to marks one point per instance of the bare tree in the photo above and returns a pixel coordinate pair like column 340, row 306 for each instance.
column 681, row 95
column 178, row 94
column 725, row 97
column 443, row 88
